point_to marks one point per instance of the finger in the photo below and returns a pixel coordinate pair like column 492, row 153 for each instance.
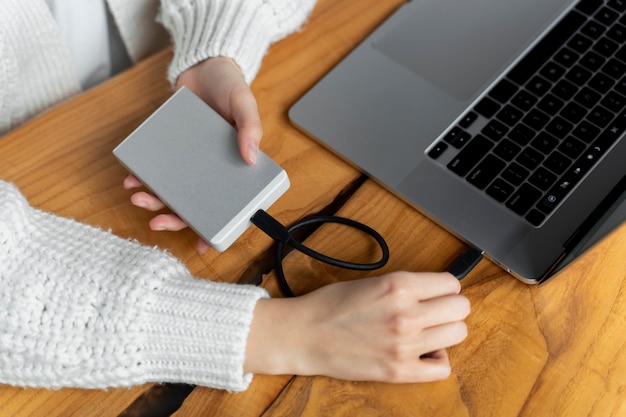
column 170, row 222
column 434, row 284
column 433, row 367
column 249, row 138
column 246, row 117
column 441, row 310
column 132, row 182
column 440, row 337
column 202, row 247
column 146, row 201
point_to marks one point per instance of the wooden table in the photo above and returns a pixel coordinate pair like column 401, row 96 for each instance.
column 558, row 350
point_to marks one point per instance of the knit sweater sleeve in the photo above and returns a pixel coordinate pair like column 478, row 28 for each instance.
column 84, row 308
column 239, row 29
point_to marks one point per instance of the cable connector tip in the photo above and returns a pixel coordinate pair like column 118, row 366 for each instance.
column 464, row 264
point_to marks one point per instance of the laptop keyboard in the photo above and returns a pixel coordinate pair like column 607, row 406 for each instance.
column 540, row 130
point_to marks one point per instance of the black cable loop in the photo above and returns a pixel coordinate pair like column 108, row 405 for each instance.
column 283, row 237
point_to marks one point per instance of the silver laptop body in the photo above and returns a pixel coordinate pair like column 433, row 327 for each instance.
column 394, row 99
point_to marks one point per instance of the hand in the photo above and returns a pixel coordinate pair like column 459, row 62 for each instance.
column 392, row 328
column 220, row 83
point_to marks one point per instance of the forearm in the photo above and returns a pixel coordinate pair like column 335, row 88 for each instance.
column 84, row 308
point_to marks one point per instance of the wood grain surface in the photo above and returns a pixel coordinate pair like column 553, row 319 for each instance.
column 555, row 350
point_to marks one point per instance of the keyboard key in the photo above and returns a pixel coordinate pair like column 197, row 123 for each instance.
column 606, row 16
column 522, row 134
column 523, row 199
column 457, row 137
column 564, row 90
column 588, row 6
column 592, row 61
column 578, row 75
column 487, row 107
column 601, row 82
column 509, row 115
column 551, row 104
column 617, row 33
column 552, row 71
column 465, row 160
column 507, row 150
column 535, row 217
column 500, row 190
column 503, row 91
column 605, row 47
column 580, row 43
column 468, row 119
column 614, row 101
column 530, row 158
column 593, row 29
column 494, row 130
column 515, row 174
column 586, row 132
column 486, row 171
column 614, row 68
column 437, row 150
column 573, row 112
column 542, row 178
column 538, row 86
column 536, row 119
column 544, row 143
column 587, row 97
column 559, row 127
column 524, row 100
column 566, row 57
column 557, row 162
column 572, row 147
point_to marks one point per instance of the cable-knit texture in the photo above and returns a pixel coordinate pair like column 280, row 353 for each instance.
column 36, row 71
column 239, row 29
column 35, row 68
column 84, row 308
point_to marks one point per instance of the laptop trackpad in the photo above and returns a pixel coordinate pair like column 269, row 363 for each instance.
column 461, row 45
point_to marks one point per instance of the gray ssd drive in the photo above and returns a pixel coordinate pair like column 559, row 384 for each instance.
column 188, row 156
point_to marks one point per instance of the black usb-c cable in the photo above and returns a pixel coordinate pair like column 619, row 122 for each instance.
column 283, row 237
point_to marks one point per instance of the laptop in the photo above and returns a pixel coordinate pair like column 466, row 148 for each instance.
column 501, row 120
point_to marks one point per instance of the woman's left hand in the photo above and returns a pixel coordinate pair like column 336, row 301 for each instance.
column 221, row 84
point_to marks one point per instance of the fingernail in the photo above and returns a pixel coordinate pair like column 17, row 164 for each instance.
column 252, row 152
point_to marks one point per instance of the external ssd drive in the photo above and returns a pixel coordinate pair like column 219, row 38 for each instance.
column 188, row 156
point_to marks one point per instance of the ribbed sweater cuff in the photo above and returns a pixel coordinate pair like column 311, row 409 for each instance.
column 195, row 332
column 239, row 29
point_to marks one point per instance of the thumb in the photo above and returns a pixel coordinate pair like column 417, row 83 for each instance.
column 245, row 115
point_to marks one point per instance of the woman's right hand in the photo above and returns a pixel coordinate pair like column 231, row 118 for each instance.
column 392, row 328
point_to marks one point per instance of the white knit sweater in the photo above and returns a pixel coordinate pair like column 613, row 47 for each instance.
column 35, row 68
column 81, row 307
column 84, row 308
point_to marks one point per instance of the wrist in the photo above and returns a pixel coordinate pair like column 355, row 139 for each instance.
column 278, row 338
